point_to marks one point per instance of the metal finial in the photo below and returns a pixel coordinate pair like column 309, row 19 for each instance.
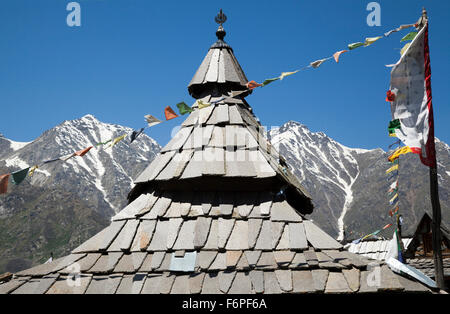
column 220, row 18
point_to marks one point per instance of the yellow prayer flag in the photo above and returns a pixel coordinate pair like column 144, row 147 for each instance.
column 393, row 198
column 398, row 152
column 402, row 52
column 31, row 172
column 202, row 104
column 370, row 40
column 284, row 74
column 394, row 167
column 117, row 140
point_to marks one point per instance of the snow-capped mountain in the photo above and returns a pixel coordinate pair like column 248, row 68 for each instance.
column 65, row 203
column 103, row 176
column 349, row 186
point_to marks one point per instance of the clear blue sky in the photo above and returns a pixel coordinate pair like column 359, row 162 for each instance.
column 134, row 57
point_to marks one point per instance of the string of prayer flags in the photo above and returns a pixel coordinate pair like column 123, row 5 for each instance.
column 370, row 40
column 398, row 152
column 284, row 74
column 355, row 45
column 183, row 108
column 103, row 143
column 18, row 176
column 337, row 55
column 318, row 63
column 4, row 183
column 202, row 104
column 32, row 169
column 151, row 120
column 268, row 81
column 401, row 27
column 135, row 134
column 409, row 36
column 83, row 152
column 65, row 157
column 53, row 160
column 169, row 113
column 252, row 85
column 394, row 167
column 394, row 144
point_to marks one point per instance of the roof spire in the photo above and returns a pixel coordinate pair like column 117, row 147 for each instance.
column 220, row 19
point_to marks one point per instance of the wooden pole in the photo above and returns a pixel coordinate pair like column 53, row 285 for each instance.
column 436, row 229
column 435, row 204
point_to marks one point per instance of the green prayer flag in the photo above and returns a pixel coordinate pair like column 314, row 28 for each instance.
column 394, row 125
column 19, row 176
column 268, row 81
column 355, row 45
column 103, row 143
column 183, row 108
column 410, row 36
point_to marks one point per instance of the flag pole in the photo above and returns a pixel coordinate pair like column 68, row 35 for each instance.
column 434, row 188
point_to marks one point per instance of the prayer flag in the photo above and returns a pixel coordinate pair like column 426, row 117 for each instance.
column 237, row 93
column 151, row 120
column 183, row 108
column 117, row 140
column 398, row 152
column 4, row 183
column 284, row 74
column 387, row 226
column 355, row 45
column 253, row 85
column 410, row 36
column 405, row 47
column 83, row 152
column 338, row 54
column 390, row 96
column 394, row 185
column 135, row 134
column 169, row 113
column 392, row 200
column 202, row 104
column 394, row 125
column 394, row 167
column 317, row 63
column 18, row 176
column 268, row 81
column 369, row 41
column 32, row 169
column 411, row 78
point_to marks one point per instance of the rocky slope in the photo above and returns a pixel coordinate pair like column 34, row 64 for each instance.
column 349, row 185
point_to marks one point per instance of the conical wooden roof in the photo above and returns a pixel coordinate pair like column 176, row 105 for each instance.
column 217, row 211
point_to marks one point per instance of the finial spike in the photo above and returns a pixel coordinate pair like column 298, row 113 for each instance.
column 220, row 18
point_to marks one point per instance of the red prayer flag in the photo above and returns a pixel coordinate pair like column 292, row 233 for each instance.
column 83, row 152
column 338, row 54
column 170, row 114
column 390, row 96
column 4, row 183
column 253, row 85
